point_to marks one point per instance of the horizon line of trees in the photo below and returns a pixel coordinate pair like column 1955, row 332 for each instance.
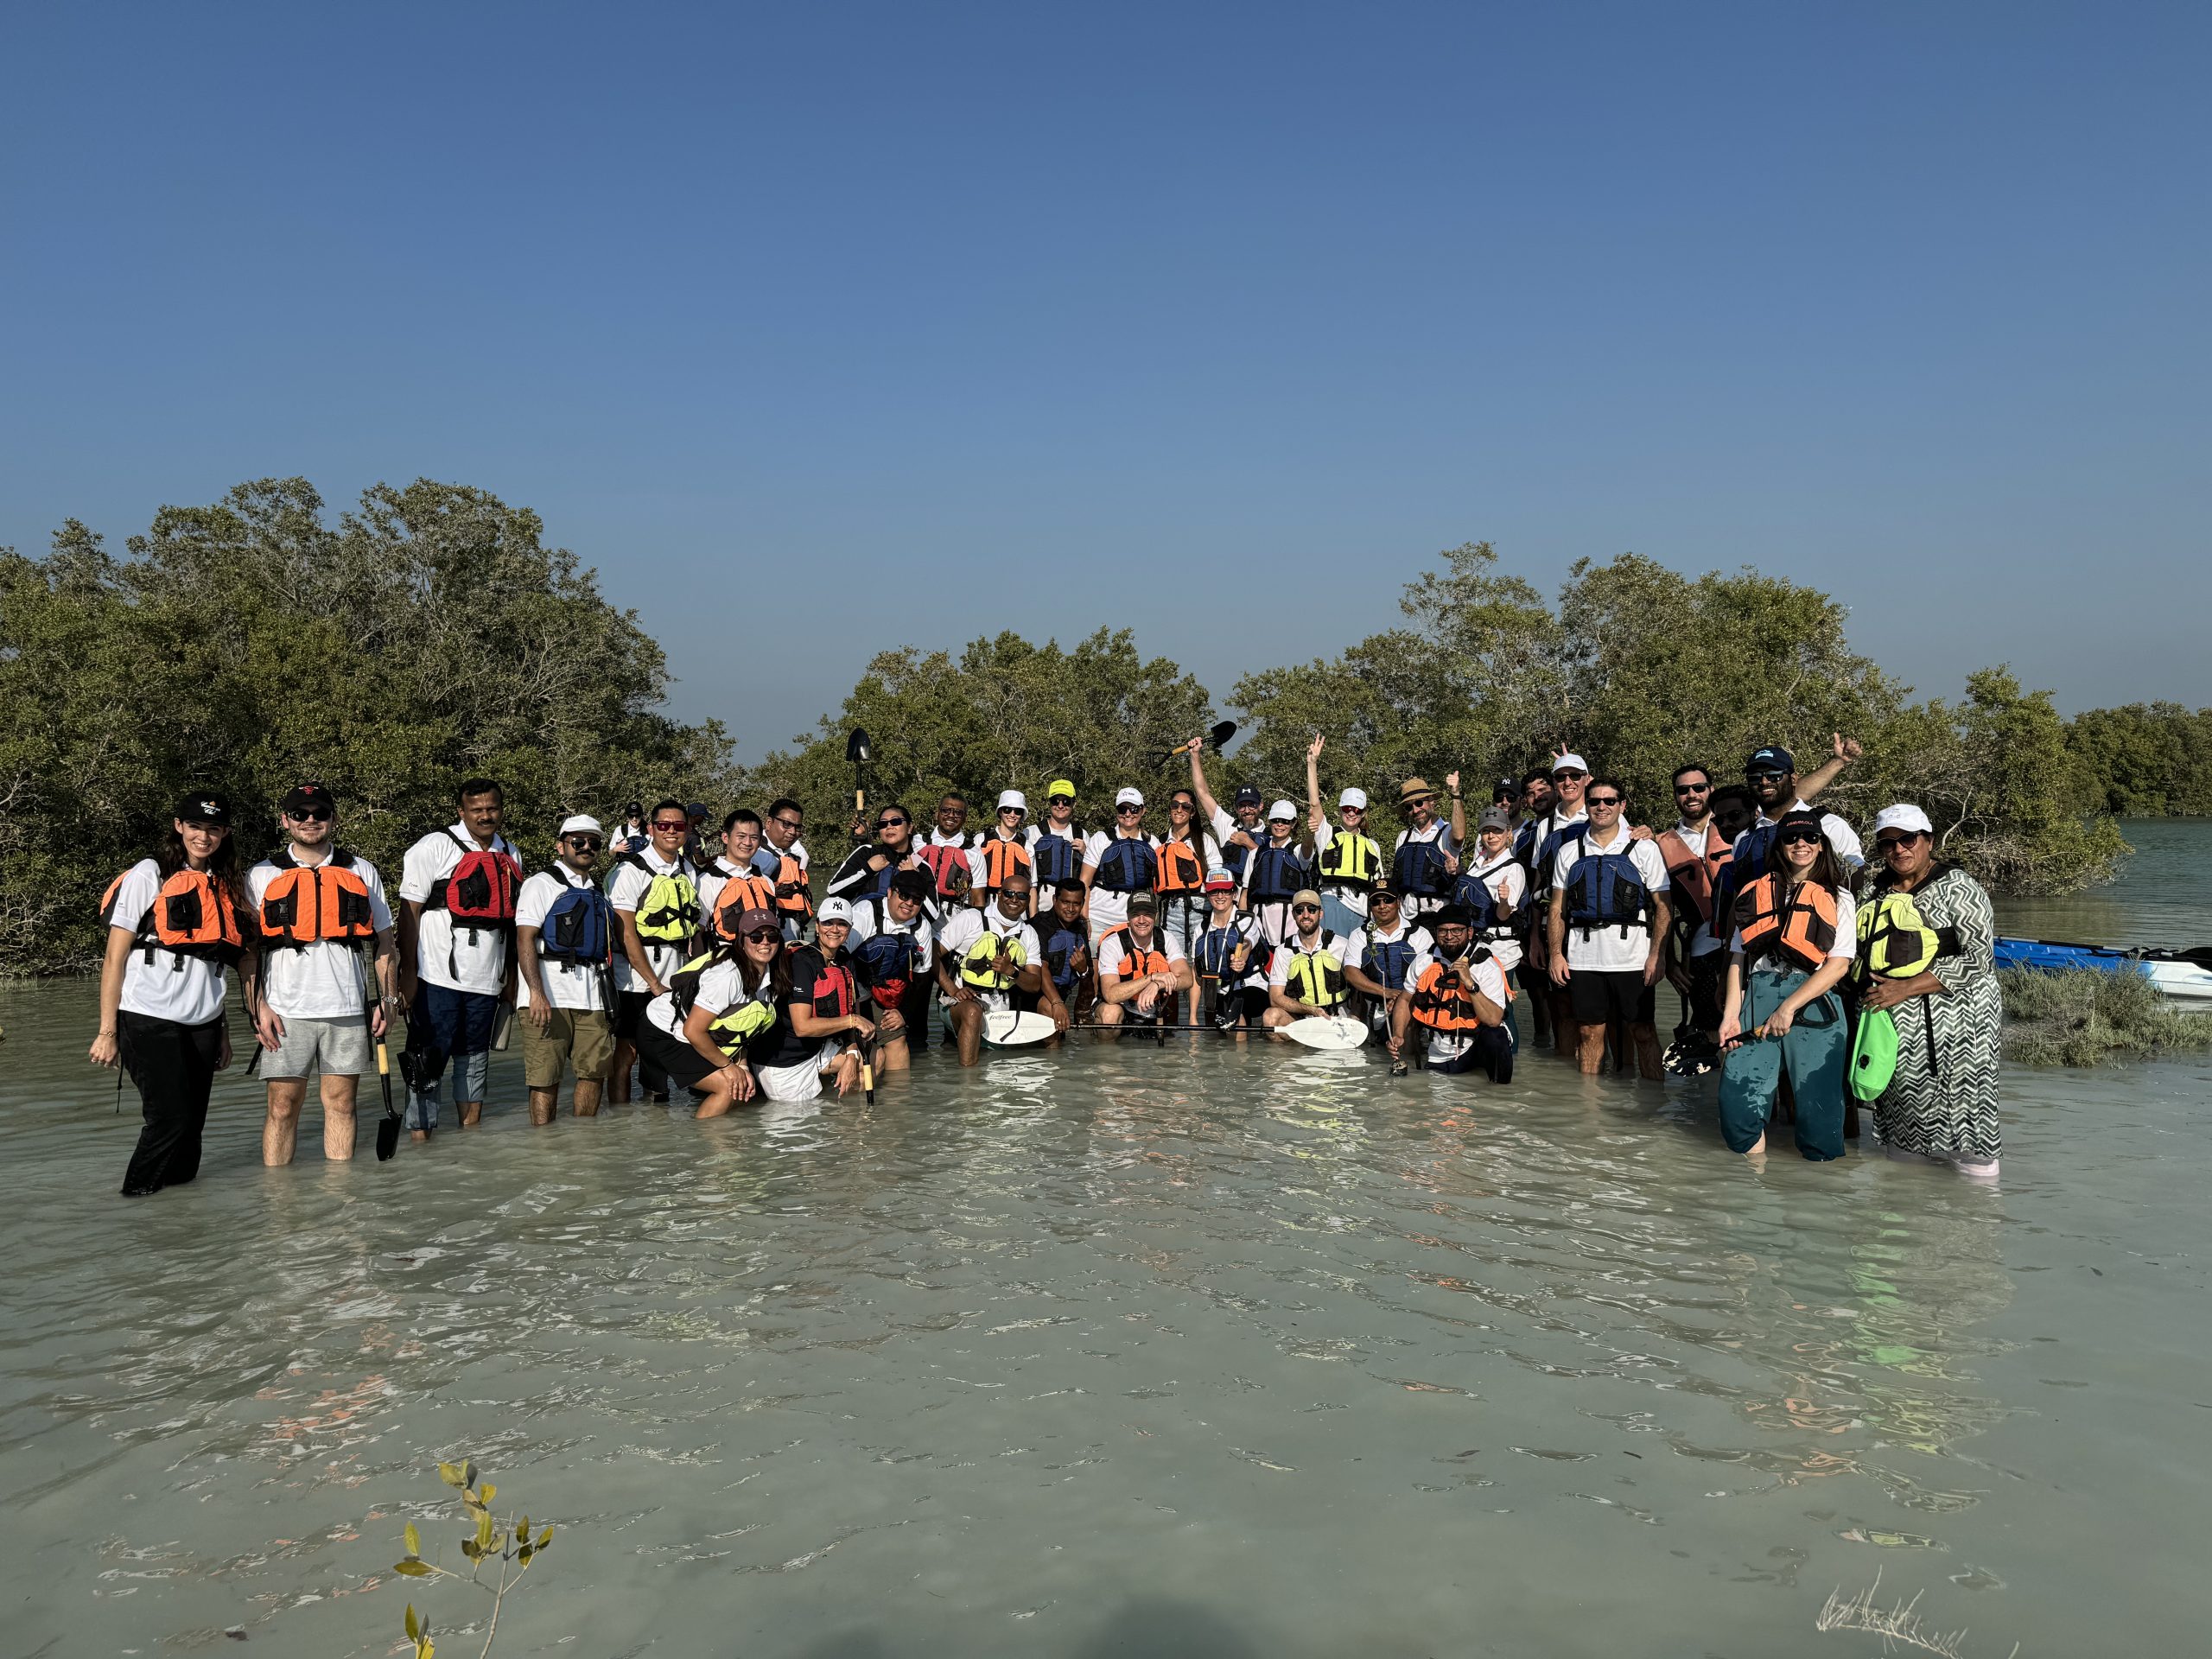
column 442, row 637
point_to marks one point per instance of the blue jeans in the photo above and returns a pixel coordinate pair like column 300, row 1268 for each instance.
column 458, row 1024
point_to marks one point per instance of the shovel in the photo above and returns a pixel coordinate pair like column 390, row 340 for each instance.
column 857, row 752
column 1220, row 734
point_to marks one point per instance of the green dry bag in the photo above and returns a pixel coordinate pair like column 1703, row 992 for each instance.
column 1874, row 1054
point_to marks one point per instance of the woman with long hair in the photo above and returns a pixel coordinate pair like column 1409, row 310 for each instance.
column 177, row 921
column 1795, row 932
column 1941, row 1103
column 718, row 1015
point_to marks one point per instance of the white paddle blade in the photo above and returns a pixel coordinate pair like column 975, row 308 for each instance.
column 1007, row 1029
column 1330, row 1031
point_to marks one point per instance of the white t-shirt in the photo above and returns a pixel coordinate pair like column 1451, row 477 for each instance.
column 625, row 887
column 472, row 959
column 1603, row 949
column 1108, row 909
column 721, row 986
column 1112, row 952
column 1845, row 946
column 1508, row 884
column 567, row 984
column 960, row 935
column 188, row 990
column 1490, row 982
column 325, row 979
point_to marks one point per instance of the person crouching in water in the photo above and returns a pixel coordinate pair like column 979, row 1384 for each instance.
column 173, row 927
column 1795, row 934
column 983, row 956
column 1457, row 1011
column 720, row 1009
column 1138, row 979
column 1307, row 979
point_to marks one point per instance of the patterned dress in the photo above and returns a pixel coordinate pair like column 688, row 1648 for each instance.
column 1941, row 1102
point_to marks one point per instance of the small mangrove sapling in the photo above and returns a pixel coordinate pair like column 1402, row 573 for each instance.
column 506, row 1543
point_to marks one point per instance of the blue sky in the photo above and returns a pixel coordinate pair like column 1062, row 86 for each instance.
column 891, row 325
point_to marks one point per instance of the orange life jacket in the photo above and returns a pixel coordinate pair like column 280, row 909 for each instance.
column 1135, row 963
column 1801, row 934
column 191, row 916
column 1697, row 878
column 1181, row 872
column 312, row 904
column 1441, row 1003
column 793, row 897
column 1001, row 860
column 750, row 891
column 950, row 865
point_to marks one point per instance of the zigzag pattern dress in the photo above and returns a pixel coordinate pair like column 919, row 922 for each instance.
column 1941, row 1102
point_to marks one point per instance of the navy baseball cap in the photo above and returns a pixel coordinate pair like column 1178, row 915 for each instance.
column 1773, row 758
column 1248, row 795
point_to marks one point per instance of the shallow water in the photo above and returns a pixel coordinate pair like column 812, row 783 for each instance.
column 1199, row 1351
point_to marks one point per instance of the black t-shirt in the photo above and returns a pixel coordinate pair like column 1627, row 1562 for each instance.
column 827, row 985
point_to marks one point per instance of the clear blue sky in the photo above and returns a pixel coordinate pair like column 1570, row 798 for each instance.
column 898, row 324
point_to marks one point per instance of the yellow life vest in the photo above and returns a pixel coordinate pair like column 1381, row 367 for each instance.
column 1894, row 941
column 975, row 969
column 1315, row 977
column 667, row 909
column 1349, row 860
column 735, row 1026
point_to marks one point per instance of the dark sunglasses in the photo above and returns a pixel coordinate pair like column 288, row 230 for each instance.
column 1568, row 776
column 1120, row 810
column 1794, row 837
column 1014, row 810
column 313, row 815
column 585, row 843
column 1693, row 788
column 1382, row 898
column 891, row 823
column 764, row 935
column 1059, row 800
column 1305, row 910
column 1887, row 842
column 1601, row 800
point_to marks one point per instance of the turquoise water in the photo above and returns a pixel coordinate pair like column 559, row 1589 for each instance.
column 1182, row 1352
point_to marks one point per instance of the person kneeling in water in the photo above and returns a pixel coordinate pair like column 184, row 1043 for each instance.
column 1457, row 1011
column 982, row 956
column 1137, row 978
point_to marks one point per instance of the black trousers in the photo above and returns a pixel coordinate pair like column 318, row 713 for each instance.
column 173, row 1067
column 1492, row 1053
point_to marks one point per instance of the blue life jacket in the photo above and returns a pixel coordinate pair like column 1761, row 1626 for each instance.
column 887, row 961
column 1209, row 954
column 1055, row 859
column 1471, row 891
column 1061, row 942
column 1753, row 857
column 1277, row 872
column 1233, row 858
column 1417, row 870
column 1386, row 961
column 1524, row 840
column 1127, row 865
column 1540, row 870
column 578, row 928
column 1606, row 890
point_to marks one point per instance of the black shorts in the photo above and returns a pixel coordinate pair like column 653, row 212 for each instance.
column 1242, row 1006
column 630, row 1014
column 1708, row 977
column 1599, row 999
column 684, row 1064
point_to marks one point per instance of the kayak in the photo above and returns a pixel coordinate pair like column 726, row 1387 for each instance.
column 2177, row 973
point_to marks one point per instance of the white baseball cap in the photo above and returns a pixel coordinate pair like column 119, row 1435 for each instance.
column 1128, row 797
column 1570, row 763
column 1353, row 798
column 1904, row 815
column 580, row 824
column 1283, row 810
column 834, row 910
column 1013, row 798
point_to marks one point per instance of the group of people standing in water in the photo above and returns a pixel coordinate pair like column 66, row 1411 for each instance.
column 726, row 967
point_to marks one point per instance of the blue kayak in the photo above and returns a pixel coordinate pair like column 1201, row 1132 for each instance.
column 2177, row 973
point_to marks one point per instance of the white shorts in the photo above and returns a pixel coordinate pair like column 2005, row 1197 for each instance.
column 799, row 1081
column 341, row 1046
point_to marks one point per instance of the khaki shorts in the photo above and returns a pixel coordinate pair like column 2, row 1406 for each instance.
column 340, row 1048
column 580, row 1037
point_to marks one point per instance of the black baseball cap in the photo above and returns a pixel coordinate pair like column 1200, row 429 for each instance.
column 911, row 884
column 204, row 806
column 1450, row 913
column 301, row 797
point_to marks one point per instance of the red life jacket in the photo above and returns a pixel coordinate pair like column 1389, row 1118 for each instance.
column 314, row 904
column 1696, row 878
column 481, row 892
column 950, row 865
column 191, row 916
column 1800, row 933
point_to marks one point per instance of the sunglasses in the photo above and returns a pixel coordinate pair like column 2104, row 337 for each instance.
column 1009, row 811
column 1353, row 811
column 1305, row 910
column 1059, row 800
column 1182, row 806
column 1567, row 777
column 1382, row 898
column 891, row 823
column 671, row 824
column 1601, row 800
column 585, row 843
column 1693, row 788
column 1799, row 837
column 313, row 815
column 768, row 936
column 1885, row 842
column 1120, row 810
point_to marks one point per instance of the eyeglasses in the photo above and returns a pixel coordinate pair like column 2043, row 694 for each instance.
column 585, row 843
column 313, row 815
column 1693, row 788
column 1601, row 800
column 767, row 935
column 791, row 824
column 671, row 824
column 1795, row 837
column 1353, row 811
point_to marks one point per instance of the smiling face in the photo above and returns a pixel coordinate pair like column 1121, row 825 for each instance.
column 200, row 840
column 1067, row 903
column 1603, row 803
column 952, row 815
column 900, row 907
column 1567, row 785
column 669, row 827
column 895, row 829
column 1494, row 842
column 1773, row 789
column 1692, row 790
column 1308, row 917
column 311, row 827
column 1013, row 898
column 1536, row 796
column 742, row 840
column 1906, row 853
column 761, row 945
column 1801, row 845
column 831, row 936
column 1451, row 937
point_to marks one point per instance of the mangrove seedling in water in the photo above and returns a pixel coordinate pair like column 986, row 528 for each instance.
column 506, row 1544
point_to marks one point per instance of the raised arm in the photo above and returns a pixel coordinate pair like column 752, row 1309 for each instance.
column 1207, row 804
column 1845, row 751
column 1314, row 817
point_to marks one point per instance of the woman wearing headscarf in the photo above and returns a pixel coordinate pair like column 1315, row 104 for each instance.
column 1940, row 1104
column 1793, row 940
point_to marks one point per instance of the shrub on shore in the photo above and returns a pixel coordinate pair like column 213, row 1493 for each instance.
column 2082, row 1016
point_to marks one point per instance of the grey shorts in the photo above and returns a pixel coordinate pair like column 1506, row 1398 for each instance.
column 341, row 1046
